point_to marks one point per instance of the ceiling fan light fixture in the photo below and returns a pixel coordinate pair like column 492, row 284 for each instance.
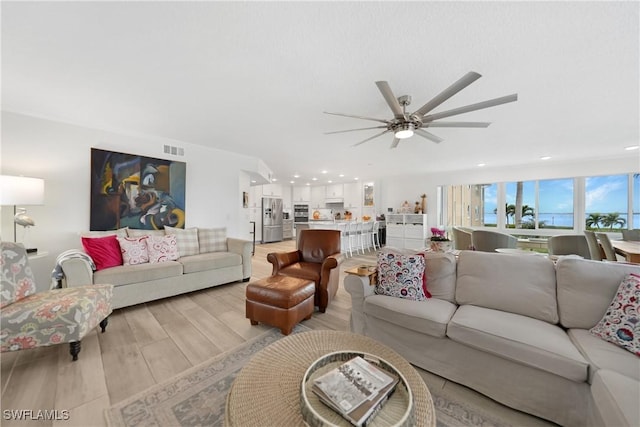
column 404, row 131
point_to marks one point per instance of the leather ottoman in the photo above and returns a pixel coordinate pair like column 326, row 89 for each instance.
column 280, row 301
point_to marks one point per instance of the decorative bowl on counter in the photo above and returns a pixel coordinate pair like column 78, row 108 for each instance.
column 366, row 217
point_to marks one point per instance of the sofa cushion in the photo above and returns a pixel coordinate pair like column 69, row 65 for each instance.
column 621, row 322
column 441, row 275
column 104, row 251
column 402, row 276
column 209, row 261
column 616, row 398
column 17, row 280
column 604, row 355
column 187, row 240
column 519, row 284
column 429, row 317
column 586, row 288
column 126, row 274
column 303, row 270
column 522, row 339
column 212, row 239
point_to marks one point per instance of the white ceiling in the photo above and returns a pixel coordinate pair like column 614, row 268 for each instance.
column 255, row 77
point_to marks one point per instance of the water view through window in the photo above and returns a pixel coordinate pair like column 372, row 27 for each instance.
column 607, row 202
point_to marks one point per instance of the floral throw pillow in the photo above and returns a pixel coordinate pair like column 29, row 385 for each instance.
column 134, row 250
column 162, row 248
column 402, row 276
column 621, row 322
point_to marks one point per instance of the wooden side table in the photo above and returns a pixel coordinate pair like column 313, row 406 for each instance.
column 369, row 271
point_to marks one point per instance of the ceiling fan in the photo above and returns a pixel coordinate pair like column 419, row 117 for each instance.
column 405, row 125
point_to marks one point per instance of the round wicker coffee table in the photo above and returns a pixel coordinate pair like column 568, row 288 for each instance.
column 267, row 390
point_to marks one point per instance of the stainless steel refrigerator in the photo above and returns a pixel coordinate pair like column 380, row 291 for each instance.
column 271, row 220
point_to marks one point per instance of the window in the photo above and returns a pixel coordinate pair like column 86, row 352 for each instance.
column 555, row 203
column 521, row 194
column 471, row 205
column 606, row 202
column 635, row 204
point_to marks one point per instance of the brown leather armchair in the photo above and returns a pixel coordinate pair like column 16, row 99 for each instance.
column 318, row 258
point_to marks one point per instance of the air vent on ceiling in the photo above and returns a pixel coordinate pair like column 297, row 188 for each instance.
column 175, row 151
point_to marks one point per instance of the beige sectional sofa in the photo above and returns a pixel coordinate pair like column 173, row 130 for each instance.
column 514, row 328
column 135, row 284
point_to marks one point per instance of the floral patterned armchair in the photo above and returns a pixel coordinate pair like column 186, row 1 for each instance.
column 29, row 319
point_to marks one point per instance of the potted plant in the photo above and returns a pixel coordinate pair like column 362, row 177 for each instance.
column 439, row 240
column 347, row 215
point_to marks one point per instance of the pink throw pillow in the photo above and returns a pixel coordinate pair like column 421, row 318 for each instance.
column 104, row 251
column 134, row 250
column 162, row 248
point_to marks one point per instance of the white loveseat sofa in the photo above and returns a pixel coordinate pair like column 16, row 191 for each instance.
column 514, row 328
column 135, row 284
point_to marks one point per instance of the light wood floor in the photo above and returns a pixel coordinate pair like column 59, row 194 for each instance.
column 147, row 344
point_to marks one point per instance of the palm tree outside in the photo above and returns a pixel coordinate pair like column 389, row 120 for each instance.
column 594, row 220
column 612, row 219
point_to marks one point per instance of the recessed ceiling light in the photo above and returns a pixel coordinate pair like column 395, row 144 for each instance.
column 274, row 179
column 341, row 175
column 324, row 171
column 296, row 176
column 356, row 178
column 632, row 147
column 292, row 182
column 481, row 165
column 329, row 181
column 253, row 181
column 545, row 157
column 314, row 179
column 308, row 183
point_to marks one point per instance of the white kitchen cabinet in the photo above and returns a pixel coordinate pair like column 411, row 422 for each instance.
column 287, row 229
column 407, row 231
column 272, row 190
column 334, row 191
column 352, row 195
column 287, row 204
column 302, row 194
column 317, row 196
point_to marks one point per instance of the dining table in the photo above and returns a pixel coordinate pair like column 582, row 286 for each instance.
column 629, row 249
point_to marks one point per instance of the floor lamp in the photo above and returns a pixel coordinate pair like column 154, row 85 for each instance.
column 21, row 191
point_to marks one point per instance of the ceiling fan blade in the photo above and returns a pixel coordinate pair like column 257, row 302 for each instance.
column 472, row 107
column 456, row 124
column 395, row 143
column 357, row 117
column 391, row 99
column 369, row 139
column 353, row 130
column 423, row 133
column 465, row 81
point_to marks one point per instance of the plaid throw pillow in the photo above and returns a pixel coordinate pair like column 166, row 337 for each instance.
column 212, row 239
column 187, row 240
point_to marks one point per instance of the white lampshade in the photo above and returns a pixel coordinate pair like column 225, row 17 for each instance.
column 21, row 190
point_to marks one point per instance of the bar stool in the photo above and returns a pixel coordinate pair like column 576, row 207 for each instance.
column 375, row 241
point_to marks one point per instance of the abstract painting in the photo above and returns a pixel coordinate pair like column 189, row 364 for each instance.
column 136, row 191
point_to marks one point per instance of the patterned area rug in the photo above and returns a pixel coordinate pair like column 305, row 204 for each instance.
column 197, row 397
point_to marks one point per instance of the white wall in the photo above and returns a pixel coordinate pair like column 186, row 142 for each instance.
column 60, row 154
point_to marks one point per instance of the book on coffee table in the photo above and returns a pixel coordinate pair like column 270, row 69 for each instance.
column 357, row 389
